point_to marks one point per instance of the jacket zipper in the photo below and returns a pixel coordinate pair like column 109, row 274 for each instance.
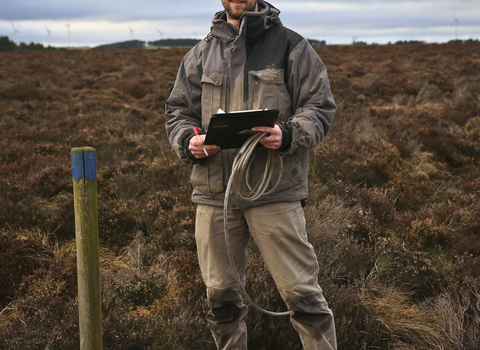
column 227, row 93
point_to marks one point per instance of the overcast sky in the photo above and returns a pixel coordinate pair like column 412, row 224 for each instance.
column 96, row 22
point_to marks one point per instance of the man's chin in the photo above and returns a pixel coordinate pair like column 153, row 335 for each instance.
column 236, row 13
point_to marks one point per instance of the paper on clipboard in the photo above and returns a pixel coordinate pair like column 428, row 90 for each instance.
column 231, row 130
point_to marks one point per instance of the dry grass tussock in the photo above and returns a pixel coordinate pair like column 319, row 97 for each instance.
column 408, row 325
column 458, row 315
column 393, row 211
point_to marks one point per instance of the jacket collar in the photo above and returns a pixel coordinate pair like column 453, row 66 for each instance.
column 252, row 24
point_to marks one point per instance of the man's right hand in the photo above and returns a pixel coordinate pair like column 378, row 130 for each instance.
column 195, row 147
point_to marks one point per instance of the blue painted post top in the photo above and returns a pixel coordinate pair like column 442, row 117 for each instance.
column 84, row 163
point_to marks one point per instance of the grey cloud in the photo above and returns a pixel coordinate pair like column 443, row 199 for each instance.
column 109, row 9
column 336, row 21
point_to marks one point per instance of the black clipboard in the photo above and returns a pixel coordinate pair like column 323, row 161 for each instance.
column 225, row 129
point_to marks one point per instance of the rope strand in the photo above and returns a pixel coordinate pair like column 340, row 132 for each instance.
column 241, row 169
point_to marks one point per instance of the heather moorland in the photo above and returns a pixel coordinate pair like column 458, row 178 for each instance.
column 393, row 210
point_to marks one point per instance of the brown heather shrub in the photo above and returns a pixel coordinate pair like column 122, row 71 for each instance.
column 380, row 162
column 392, row 211
column 46, row 313
column 170, row 219
column 130, row 317
column 327, row 219
column 134, row 289
column 22, row 252
column 429, row 93
column 131, row 330
column 465, row 269
column 422, row 274
column 138, row 298
column 466, row 245
column 424, row 234
column 185, row 264
column 377, row 202
column 117, row 222
column 455, row 149
column 374, row 163
column 187, row 330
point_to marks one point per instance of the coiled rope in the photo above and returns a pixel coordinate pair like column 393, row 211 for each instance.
column 240, row 171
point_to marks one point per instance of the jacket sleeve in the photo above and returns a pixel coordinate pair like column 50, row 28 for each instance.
column 312, row 99
column 183, row 107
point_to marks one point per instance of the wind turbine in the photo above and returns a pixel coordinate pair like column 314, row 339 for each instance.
column 131, row 32
column 48, row 34
column 68, row 26
column 455, row 23
column 161, row 33
column 14, row 33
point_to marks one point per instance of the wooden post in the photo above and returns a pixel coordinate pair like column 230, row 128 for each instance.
column 84, row 173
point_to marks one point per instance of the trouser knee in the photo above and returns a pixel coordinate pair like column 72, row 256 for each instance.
column 228, row 312
column 220, row 298
column 305, row 299
column 226, row 320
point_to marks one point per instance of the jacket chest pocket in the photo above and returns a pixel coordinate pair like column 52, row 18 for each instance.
column 266, row 88
column 212, row 94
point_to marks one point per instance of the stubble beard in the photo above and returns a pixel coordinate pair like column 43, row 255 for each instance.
column 234, row 15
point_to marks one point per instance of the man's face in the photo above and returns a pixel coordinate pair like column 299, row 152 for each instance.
column 235, row 8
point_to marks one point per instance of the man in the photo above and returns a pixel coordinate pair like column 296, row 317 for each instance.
column 251, row 61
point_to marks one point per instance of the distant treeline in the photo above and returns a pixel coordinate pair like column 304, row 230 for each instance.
column 418, row 42
column 464, row 41
column 7, row 45
column 314, row 42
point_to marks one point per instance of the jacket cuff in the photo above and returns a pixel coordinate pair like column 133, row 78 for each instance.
column 286, row 136
column 184, row 142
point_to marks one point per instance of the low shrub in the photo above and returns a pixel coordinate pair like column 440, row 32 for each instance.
column 392, row 210
column 22, row 253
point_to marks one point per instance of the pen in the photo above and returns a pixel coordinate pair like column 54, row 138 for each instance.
column 198, row 137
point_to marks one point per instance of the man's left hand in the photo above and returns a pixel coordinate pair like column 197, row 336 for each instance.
column 274, row 140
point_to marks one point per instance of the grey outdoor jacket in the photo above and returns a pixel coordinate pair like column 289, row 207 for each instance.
column 261, row 65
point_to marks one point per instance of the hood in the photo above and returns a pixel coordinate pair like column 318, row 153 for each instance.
column 267, row 17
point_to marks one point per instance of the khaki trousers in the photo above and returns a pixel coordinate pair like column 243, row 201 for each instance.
column 279, row 232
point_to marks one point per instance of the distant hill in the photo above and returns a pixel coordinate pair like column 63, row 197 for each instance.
column 193, row 42
column 174, row 42
column 131, row 44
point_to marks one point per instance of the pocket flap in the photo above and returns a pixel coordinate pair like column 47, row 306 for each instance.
column 269, row 76
column 212, row 78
